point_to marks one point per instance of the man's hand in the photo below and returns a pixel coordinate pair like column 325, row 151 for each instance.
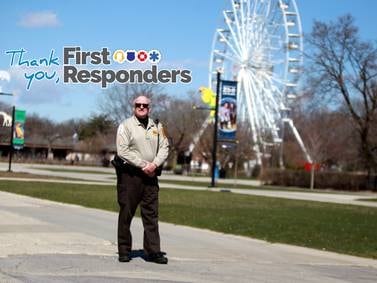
column 149, row 169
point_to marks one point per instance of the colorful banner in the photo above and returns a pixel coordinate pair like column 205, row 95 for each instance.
column 19, row 128
column 228, row 111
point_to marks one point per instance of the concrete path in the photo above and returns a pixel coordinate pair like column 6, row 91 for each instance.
column 44, row 241
column 109, row 179
column 110, row 173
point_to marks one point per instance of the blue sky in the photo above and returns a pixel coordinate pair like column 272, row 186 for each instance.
column 181, row 30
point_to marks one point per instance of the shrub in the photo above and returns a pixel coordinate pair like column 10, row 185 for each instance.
column 349, row 181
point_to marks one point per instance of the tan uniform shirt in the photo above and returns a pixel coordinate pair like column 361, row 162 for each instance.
column 136, row 144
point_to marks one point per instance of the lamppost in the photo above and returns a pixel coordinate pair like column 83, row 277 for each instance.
column 214, row 146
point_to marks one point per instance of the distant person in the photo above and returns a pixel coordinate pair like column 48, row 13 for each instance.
column 142, row 147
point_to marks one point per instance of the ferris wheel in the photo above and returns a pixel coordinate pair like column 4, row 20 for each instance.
column 260, row 45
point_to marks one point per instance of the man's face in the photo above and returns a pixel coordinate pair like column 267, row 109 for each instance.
column 141, row 107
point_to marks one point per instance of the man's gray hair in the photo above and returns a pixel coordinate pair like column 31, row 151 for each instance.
column 148, row 99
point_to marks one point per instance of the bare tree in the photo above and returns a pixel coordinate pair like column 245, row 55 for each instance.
column 180, row 121
column 237, row 153
column 96, row 125
column 42, row 130
column 345, row 70
column 117, row 101
column 326, row 134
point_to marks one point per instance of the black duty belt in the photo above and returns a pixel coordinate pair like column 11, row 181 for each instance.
column 121, row 166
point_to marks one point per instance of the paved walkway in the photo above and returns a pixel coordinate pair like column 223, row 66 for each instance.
column 110, row 174
column 107, row 177
column 44, row 241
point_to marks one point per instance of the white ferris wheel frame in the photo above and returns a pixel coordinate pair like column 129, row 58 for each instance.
column 261, row 47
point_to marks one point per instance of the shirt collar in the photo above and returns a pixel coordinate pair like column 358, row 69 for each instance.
column 150, row 122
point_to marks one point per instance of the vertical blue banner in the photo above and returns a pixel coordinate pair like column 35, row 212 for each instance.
column 228, row 110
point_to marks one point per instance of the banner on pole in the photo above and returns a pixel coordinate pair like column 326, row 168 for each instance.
column 19, row 128
column 228, row 110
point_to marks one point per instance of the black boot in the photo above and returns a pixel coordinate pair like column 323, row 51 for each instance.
column 124, row 258
column 159, row 258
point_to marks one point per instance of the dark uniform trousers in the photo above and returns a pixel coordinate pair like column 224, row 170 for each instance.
column 134, row 188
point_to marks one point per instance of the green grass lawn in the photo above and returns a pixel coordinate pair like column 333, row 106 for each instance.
column 222, row 185
column 334, row 227
column 34, row 176
column 72, row 170
column 371, row 199
column 265, row 187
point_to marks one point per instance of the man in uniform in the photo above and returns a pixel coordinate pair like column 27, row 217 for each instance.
column 143, row 147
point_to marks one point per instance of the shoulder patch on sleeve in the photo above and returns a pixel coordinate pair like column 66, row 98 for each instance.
column 163, row 132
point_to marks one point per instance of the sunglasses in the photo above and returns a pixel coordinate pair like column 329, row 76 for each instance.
column 138, row 105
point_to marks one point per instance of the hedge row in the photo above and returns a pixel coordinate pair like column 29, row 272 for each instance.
column 323, row 180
